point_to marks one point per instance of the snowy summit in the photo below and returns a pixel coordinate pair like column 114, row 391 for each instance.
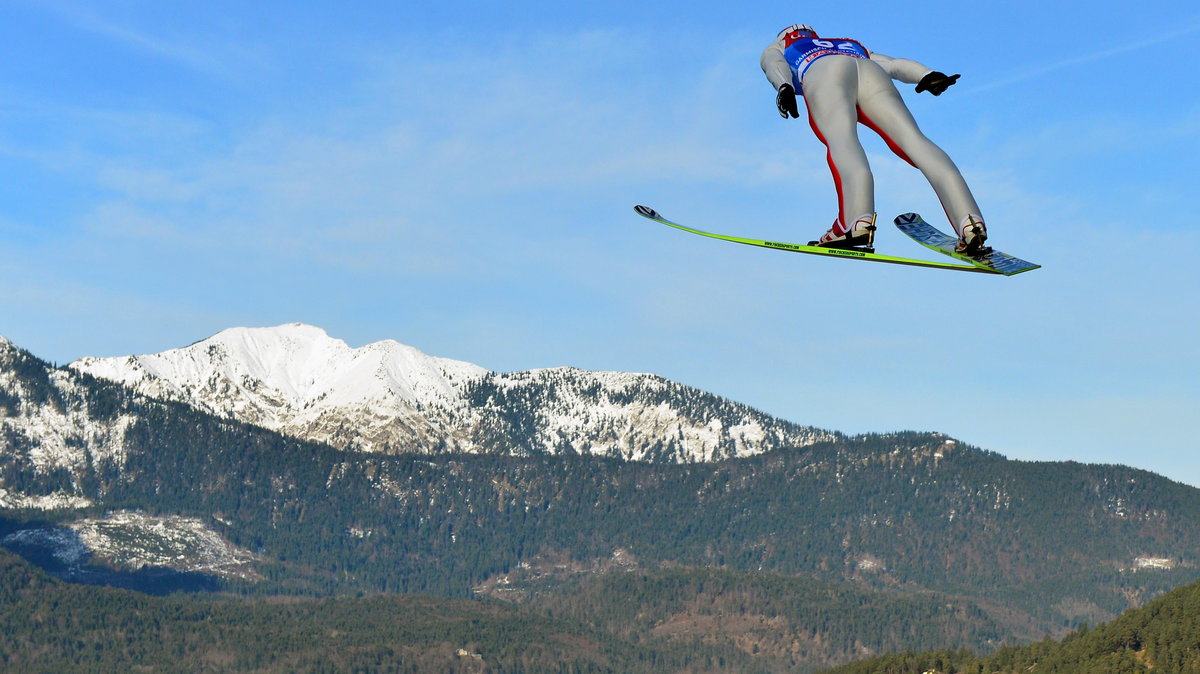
column 298, row 380
column 388, row 397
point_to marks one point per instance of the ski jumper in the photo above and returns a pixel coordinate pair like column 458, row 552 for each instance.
column 844, row 84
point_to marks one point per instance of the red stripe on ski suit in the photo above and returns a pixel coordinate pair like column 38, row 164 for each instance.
column 867, row 122
column 839, row 227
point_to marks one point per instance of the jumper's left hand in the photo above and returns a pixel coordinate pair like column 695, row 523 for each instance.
column 936, row 82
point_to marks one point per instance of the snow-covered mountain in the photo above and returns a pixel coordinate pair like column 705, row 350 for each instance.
column 297, row 380
column 388, row 397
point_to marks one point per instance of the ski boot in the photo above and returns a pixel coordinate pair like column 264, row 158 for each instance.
column 858, row 236
column 972, row 234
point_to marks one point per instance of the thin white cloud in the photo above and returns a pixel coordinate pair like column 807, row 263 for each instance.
column 1120, row 48
column 209, row 59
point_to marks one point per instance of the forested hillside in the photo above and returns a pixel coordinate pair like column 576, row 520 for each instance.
column 50, row 626
column 790, row 623
column 1161, row 637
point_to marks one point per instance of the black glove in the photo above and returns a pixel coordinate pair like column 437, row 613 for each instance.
column 935, row 83
column 785, row 100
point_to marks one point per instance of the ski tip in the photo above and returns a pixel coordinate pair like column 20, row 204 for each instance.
column 647, row 212
column 906, row 218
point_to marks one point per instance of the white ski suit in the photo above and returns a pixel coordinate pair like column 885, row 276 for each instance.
column 843, row 84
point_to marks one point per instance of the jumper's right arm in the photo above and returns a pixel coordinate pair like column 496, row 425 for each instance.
column 775, row 66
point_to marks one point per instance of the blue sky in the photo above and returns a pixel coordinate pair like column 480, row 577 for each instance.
column 460, row 177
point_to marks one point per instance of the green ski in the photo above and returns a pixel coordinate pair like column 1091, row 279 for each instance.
column 846, row 253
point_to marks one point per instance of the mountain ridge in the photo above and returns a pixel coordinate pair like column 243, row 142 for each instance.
column 387, row 397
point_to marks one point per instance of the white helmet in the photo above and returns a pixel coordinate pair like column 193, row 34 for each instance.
column 796, row 31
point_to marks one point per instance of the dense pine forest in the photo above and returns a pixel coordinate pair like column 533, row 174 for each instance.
column 53, row 626
column 50, row 626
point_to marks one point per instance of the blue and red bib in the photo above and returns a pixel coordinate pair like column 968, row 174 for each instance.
column 801, row 53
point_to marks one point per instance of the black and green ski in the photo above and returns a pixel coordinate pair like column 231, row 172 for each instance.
column 933, row 238
column 847, row 253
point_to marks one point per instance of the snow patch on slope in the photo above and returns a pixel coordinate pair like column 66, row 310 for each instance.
column 56, row 501
column 48, row 423
column 131, row 540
